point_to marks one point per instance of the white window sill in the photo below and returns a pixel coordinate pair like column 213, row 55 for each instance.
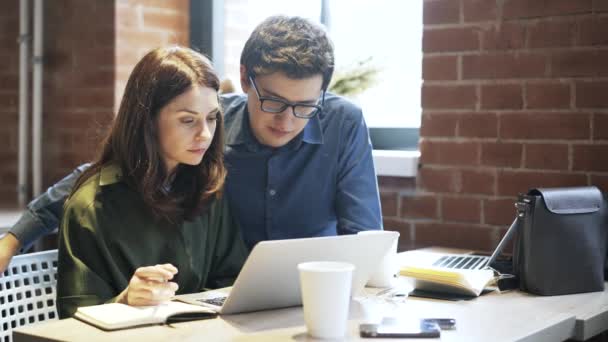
column 396, row 163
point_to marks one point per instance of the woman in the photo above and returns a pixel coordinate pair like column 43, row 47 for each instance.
column 147, row 219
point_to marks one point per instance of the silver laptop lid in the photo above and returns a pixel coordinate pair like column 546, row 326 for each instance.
column 269, row 279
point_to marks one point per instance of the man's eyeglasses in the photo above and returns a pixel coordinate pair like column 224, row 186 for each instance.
column 300, row 110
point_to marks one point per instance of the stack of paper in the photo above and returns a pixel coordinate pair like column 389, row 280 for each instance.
column 462, row 282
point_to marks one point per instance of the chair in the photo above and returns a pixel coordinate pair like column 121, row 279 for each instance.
column 27, row 291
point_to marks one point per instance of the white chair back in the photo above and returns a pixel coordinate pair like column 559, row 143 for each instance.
column 27, row 291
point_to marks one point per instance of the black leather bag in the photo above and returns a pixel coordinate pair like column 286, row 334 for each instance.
column 561, row 241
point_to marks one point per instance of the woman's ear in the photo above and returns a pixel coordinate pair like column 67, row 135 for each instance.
column 244, row 79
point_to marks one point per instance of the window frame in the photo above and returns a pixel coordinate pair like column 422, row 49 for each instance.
column 207, row 36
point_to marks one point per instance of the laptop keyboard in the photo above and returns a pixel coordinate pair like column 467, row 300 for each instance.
column 218, row 301
column 468, row 262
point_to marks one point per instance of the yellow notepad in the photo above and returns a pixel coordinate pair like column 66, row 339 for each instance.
column 461, row 282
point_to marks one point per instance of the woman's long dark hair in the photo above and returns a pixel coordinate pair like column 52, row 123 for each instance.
column 133, row 142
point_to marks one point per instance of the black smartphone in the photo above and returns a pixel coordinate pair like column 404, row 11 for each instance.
column 402, row 328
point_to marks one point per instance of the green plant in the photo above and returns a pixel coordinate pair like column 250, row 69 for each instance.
column 353, row 80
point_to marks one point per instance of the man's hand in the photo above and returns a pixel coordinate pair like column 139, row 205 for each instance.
column 9, row 246
column 150, row 286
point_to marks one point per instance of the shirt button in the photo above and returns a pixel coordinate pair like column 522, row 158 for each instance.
column 272, row 192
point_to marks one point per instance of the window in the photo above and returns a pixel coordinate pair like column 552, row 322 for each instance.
column 390, row 33
column 387, row 31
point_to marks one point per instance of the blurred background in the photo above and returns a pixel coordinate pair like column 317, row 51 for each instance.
column 481, row 99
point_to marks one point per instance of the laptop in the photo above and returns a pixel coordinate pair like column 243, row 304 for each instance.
column 269, row 278
column 455, row 262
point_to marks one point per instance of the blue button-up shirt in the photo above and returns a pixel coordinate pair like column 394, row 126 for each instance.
column 321, row 183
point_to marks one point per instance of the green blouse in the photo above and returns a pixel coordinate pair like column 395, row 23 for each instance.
column 107, row 232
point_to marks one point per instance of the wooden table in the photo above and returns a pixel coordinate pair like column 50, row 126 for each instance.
column 492, row 317
column 509, row 316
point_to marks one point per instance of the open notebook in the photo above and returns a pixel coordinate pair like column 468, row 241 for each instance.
column 120, row 316
column 458, row 274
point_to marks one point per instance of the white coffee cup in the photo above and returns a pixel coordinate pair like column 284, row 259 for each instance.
column 385, row 273
column 326, row 288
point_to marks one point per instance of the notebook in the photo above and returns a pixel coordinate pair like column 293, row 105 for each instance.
column 116, row 316
column 270, row 279
column 458, row 274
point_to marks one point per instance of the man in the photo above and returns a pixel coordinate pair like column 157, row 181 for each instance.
column 299, row 160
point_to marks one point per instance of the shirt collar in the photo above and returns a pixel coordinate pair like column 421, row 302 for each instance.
column 312, row 132
column 110, row 174
column 239, row 131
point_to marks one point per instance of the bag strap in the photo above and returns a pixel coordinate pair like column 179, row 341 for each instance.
column 510, row 281
column 505, row 240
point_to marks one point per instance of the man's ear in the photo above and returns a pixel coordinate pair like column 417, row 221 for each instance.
column 244, row 79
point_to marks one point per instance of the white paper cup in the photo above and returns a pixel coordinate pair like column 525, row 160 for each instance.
column 326, row 287
column 385, row 273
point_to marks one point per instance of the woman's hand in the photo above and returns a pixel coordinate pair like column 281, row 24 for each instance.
column 150, row 286
column 9, row 246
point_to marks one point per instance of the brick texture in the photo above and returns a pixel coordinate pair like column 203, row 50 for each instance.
column 481, row 182
column 448, row 96
column 450, row 39
column 600, row 6
column 441, row 12
column 534, row 126
column 448, row 153
column 548, row 95
column 600, row 126
column 389, row 203
column 479, row 10
column 501, row 96
column 511, row 183
column 437, row 180
column 592, row 94
column 552, row 33
column 504, row 65
column 90, row 48
column 142, row 25
column 478, row 125
column 547, row 156
column 440, row 68
column 501, row 154
column 523, row 9
column 592, row 30
column 461, row 209
column 504, row 36
column 439, row 124
column 601, row 181
column 590, row 157
column 499, row 211
column 513, row 97
column 457, row 235
column 582, row 63
column 419, row 206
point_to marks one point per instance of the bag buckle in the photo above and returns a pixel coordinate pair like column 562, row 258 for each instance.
column 522, row 205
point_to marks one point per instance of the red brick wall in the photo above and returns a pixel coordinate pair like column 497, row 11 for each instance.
column 142, row 25
column 515, row 95
column 78, row 82
column 9, row 100
column 90, row 48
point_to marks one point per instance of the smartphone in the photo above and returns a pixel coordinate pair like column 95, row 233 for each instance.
column 402, row 328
